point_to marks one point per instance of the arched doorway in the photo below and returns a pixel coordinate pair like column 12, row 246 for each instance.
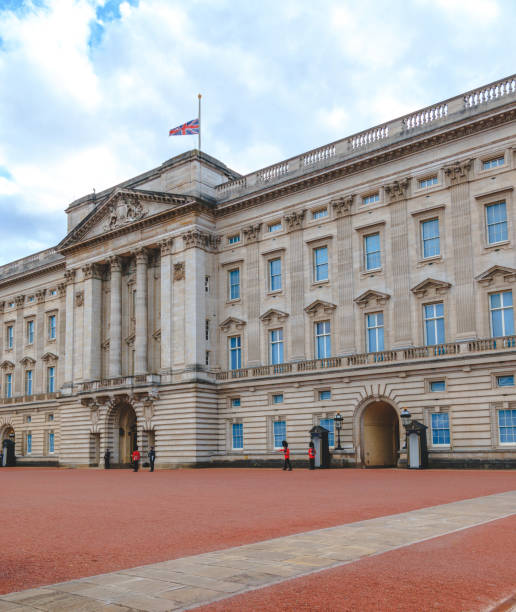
column 127, row 433
column 380, row 435
column 7, row 433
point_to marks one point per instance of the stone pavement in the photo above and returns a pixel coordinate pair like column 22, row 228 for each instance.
column 197, row 580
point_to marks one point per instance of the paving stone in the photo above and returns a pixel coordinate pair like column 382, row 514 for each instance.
column 190, row 595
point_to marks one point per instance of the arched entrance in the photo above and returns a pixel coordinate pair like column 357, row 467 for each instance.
column 380, row 435
column 7, row 433
column 127, row 433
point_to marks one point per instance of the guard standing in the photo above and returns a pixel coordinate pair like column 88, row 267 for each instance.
column 136, row 459
column 286, row 455
column 311, row 455
column 107, row 459
column 152, row 458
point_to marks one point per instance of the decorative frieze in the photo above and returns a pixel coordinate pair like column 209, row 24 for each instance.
column 397, row 190
column 69, row 276
column 126, row 209
column 61, row 289
column 20, row 301
column 91, row 270
column 201, row 240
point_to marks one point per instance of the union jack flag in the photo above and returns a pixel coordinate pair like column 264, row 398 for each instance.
column 191, row 127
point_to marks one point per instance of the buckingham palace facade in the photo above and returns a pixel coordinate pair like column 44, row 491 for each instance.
column 213, row 315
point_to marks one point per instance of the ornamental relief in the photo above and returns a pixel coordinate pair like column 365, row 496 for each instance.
column 126, row 210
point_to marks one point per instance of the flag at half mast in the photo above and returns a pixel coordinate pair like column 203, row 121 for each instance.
column 191, row 127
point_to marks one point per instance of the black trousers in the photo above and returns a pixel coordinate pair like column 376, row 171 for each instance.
column 287, row 465
column 151, row 461
column 312, row 464
column 107, row 464
column 135, row 465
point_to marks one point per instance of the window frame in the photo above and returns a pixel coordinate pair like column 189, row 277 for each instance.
column 283, row 435
column 51, row 316
column 278, row 344
column 367, row 328
column 237, row 350
column 435, row 319
column 240, row 425
column 274, row 226
column 234, row 239
column 491, row 310
column 331, row 435
column 316, row 266
column 51, row 380
column 230, row 271
column 367, row 253
column 323, row 335
column 423, row 182
column 30, row 329
column 29, row 382
column 423, row 240
column 488, row 225
column 9, row 336
column 433, row 429
column 272, row 276
column 320, row 213
column 9, row 386
column 499, row 426
column 373, row 194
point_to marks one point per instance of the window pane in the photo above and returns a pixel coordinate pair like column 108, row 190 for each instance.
column 238, row 435
column 329, row 425
column 321, row 263
column 440, row 429
column 507, row 426
column 280, row 433
column 275, row 274
column 505, row 381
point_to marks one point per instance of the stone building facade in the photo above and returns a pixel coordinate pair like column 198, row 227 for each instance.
column 212, row 314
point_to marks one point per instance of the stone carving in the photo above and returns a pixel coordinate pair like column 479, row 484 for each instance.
column 141, row 256
column 69, row 276
column 429, row 284
column 115, row 263
column 40, row 295
column 201, row 240
column 2, row 307
column 273, row 315
column 230, row 322
column 49, row 357
column 7, row 365
column 79, row 298
column 458, row 172
column 397, row 190
column 61, row 289
column 320, row 305
column 166, row 246
column 27, row 362
column 20, row 300
column 380, row 299
column 91, row 271
column 507, row 274
column 342, row 205
column 294, row 220
column 252, row 232
column 179, row 271
column 126, row 210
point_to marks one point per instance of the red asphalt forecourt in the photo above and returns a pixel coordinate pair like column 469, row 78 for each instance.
column 63, row 524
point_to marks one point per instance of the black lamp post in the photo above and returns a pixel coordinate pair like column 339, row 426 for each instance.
column 338, row 424
column 406, row 417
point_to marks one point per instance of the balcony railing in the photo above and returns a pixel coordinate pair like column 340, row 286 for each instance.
column 379, row 358
column 121, row 381
column 23, row 399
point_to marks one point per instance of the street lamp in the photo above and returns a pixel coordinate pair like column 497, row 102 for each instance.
column 338, row 424
column 406, row 417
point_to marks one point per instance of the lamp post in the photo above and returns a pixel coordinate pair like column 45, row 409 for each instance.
column 406, row 417
column 338, row 424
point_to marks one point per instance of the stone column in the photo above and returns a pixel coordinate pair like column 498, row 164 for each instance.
column 61, row 336
column 92, row 314
column 457, row 179
column 19, row 343
column 140, row 314
column 396, row 194
column 69, row 337
column 252, row 285
column 345, row 321
column 167, row 306
column 39, row 342
column 294, row 223
column 115, row 318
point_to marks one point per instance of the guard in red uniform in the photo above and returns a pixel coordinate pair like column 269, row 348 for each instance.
column 311, row 455
column 136, row 459
column 286, row 455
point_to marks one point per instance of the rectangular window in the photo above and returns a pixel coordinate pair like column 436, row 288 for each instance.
column 50, row 417
column 235, row 402
column 275, row 274
column 329, row 425
column 277, row 398
column 496, row 220
column 493, row 163
column 437, row 385
column 427, row 182
column 53, row 291
column 372, row 254
column 276, row 346
column 28, row 419
column 440, row 429
column 8, row 385
column 234, row 239
column 50, row 441
column 235, row 353
column 274, row 227
column 28, row 382
column 280, row 433
column 52, row 327
column 234, row 284
column 238, row 436
column 321, row 264
column 207, row 329
column 30, row 298
column 505, row 381
column 207, row 358
column 10, row 336
column 29, row 443
column 322, row 340
column 434, row 324
column 206, row 284
column 370, row 199
column 325, row 395
column 430, row 237
column 374, row 324
column 30, row 332
column 507, row 426
column 502, row 315
column 51, row 379
column 320, row 214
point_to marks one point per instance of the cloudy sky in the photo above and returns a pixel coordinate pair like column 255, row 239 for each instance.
column 89, row 88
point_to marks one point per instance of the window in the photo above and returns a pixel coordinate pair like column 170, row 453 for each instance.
column 430, row 238
column 322, row 340
column 275, row 274
column 8, row 385
column 440, row 429
column 434, row 323
column 493, row 163
column 238, row 436
column 50, row 441
column 321, row 264
column 370, row 199
column 505, row 381
column 496, row 218
column 374, row 323
column 277, row 398
column 276, row 346
column 28, row 419
column 235, row 353
column 234, row 239
column 28, row 382
column 50, row 417
column 30, row 332
column 53, row 291
column 427, row 182
column 507, row 426
column 52, row 327
column 502, row 316
column 325, row 395
column 372, row 254
column 30, row 298
column 207, row 358
column 11, row 304
column 51, row 379
column 329, row 425
column 274, row 227
column 437, row 385
column 206, row 284
column 320, row 214
column 29, row 443
column 234, row 284
column 280, row 433
column 10, row 336
column 207, row 329
column 235, row 402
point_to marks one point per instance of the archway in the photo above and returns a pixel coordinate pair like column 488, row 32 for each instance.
column 380, row 435
column 7, row 433
column 127, row 433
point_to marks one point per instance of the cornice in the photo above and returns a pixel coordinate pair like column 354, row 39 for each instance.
column 31, row 273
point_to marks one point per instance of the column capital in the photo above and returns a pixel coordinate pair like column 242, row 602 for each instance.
column 40, row 295
column 458, row 172
column 115, row 263
column 203, row 240
column 294, row 220
column 166, row 245
column 141, row 255
column 342, row 205
column 91, row 271
column 252, row 232
column 70, row 276
column 2, row 307
column 20, row 301
column 61, row 289
column 397, row 190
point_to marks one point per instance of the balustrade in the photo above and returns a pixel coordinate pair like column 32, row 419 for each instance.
column 490, row 92
column 271, row 173
column 425, row 116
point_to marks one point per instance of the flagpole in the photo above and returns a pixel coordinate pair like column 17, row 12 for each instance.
column 199, row 97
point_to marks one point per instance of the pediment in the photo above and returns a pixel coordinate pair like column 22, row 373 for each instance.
column 231, row 322
column 122, row 209
column 49, row 357
column 7, row 365
column 502, row 273
column 373, row 297
column 27, row 361
column 430, row 285
column 320, row 306
column 273, row 314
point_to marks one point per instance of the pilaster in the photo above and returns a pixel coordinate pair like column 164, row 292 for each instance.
column 294, row 223
column 92, row 312
column 115, row 316
column 141, row 324
column 195, row 303
column 70, row 328
column 252, row 284
column 19, row 342
column 167, row 306
column 40, row 378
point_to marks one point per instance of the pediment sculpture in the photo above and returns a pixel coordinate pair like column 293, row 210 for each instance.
column 124, row 210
